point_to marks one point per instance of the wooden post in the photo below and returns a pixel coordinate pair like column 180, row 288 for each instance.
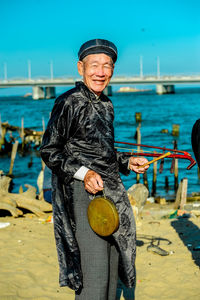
column 153, row 192
column 178, row 196
column 175, row 169
column 184, row 192
column 175, row 129
column 138, row 117
column 176, row 175
column 181, row 195
column 138, row 148
column 166, row 183
column 22, row 133
column 2, row 134
column 13, row 155
column 2, row 138
column 145, row 180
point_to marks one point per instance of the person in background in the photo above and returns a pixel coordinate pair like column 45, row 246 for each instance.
column 195, row 139
column 47, row 187
column 78, row 146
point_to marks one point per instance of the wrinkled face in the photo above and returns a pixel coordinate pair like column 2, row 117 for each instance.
column 97, row 70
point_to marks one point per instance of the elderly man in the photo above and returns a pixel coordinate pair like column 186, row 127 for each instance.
column 78, row 146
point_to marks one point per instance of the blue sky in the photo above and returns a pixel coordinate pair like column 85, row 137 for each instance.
column 44, row 31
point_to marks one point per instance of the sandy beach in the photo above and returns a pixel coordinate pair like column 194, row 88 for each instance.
column 29, row 268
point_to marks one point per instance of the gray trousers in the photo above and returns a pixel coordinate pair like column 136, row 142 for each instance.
column 99, row 257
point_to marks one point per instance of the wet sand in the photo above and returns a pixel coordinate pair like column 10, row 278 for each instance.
column 29, row 268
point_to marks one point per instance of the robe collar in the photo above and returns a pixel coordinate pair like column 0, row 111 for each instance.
column 88, row 93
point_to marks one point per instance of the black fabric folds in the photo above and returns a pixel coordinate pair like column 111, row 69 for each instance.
column 195, row 139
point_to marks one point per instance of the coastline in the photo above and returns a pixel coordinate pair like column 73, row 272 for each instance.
column 29, row 267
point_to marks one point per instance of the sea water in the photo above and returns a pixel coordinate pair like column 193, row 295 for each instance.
column 158, row 112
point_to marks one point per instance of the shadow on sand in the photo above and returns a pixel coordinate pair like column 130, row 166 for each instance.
column 142, row 240
column 189, row 233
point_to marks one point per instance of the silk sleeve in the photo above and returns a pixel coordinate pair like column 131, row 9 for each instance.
column 53, row 149
column 123, row 162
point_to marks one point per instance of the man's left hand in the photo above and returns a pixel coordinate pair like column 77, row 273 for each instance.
column 134, row 162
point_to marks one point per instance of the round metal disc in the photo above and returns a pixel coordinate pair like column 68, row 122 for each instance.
column 103, row 216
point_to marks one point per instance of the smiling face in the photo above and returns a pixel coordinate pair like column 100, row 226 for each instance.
column 97, row 70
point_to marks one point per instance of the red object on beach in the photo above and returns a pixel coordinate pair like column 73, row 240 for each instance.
column 176, row 153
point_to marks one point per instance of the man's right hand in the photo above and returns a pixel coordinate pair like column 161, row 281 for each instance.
column 93, row 182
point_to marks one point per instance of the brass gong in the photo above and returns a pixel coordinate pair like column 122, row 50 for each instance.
column 103, row 216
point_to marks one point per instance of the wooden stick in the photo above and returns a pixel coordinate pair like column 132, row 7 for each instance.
column 178, row 196
column 22, row 132
column 175, row 168
column 153, row 191
column 155, row 159
column 184, row 192
column 138, row 148
column 13, row 155
column 176, row 175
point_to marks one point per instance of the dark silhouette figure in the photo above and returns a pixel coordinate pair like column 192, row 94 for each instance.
column 189, row 233
column 195, row 140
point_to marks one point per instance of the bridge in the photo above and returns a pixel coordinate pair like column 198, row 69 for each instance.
column 45, row 88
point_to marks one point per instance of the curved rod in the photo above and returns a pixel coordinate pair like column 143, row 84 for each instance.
column 184, row 155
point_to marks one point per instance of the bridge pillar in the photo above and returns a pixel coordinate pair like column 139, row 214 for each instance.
column 108, row 90
column 50, row 92
column 165, row 89
column 38, row 92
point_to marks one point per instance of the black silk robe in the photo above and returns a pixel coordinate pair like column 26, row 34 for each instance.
column 80, row 133
column 195, row 139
